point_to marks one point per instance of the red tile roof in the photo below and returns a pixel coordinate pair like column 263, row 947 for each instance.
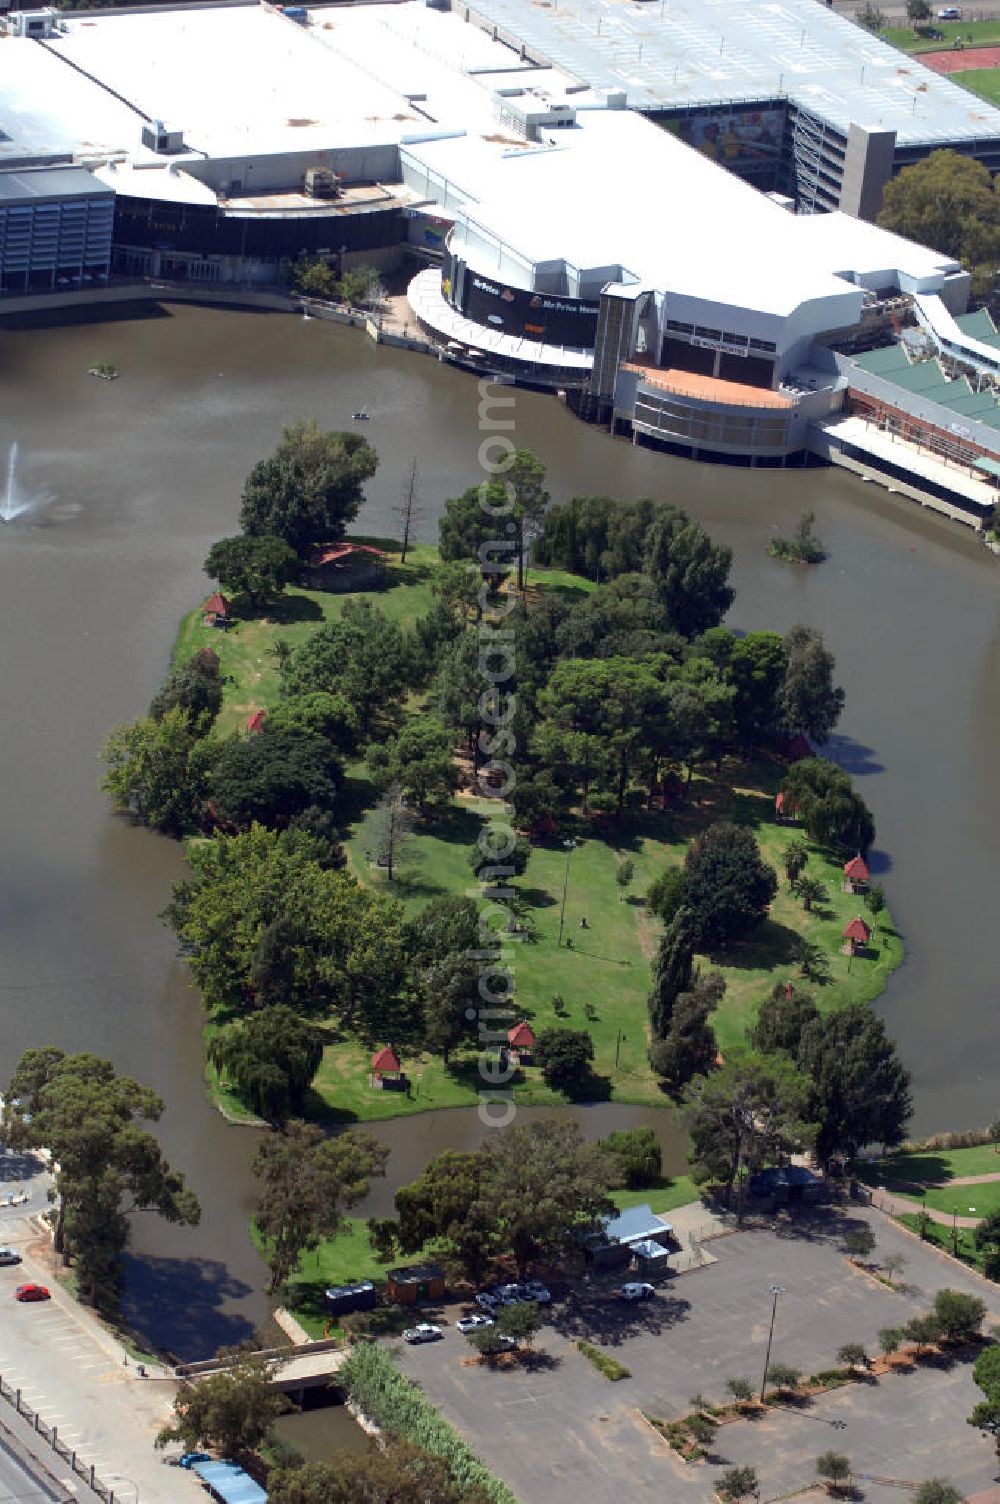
column 799, row 747
column 338, row 551
column 216, row 605
column 785, row 803
column 256, row 721
column 857, row 930
column 857, row 869
column 521, row 1036
column 386, row 1060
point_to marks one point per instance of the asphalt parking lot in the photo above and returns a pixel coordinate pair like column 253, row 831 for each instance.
column 555, row 1428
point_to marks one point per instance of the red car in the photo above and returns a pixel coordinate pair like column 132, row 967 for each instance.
column 31, row 1292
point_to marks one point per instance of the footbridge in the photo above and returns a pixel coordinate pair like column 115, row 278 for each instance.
column 299, row 1366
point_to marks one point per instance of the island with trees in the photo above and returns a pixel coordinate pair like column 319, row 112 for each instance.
column 323, row 753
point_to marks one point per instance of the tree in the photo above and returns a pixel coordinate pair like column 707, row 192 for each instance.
column 727, row 885
column 106, row 1165
column 861, row 1089
column 736, row 1483
column 810, row 890
column 741, row 1389
column 450, row 989
column 870, row 17
column 447, row 1208
column 391, row 829
column 834, row 1468
column 893, row 1264
column 986, row 1374
column 233, row 1410
column 258, row 568
column 566, row 1057
column 408, row 510
column 309, row 489
column 782, row 1377
column 195, row 687
column 948, row 203
column 935, row 1490
column 624, row 873
column 994, row 1135
column 987, row 1232
column 833, row 814
column 781, row 1020
column 811, row 704
column 270, row 1059
column 812, row 959
column 689, row 1048
column 270, row 778
column 924, row 1331
column 701, row 1428
column 419, row 760
column 306, row 1183
column 665, row 894
column 860, row 1241
column 890, row 1339
column 153, row 770
column 473, row 523
column 544, row 1186
column 673, row 970
column 314, row 278
column 492, row 860
column 794, row 859
column 852, row 1355
column 357, row 285
column 637, row 1151
column 745, row 1113
column 960, row 1315
column 916, row 11
column 395, row 1472
column 875, row 902
column 520, row 1321
column 690, row 571
column 755, row 665
column 363, row 656
column 318, row 714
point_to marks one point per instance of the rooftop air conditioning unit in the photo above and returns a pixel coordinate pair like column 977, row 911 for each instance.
column 156, row 137
column 320, row 182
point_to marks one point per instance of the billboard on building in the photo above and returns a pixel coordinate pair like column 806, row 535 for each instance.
column 737, row 137
column 539, row 316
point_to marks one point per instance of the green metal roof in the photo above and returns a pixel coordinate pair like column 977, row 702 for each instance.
column 979, row 326
column 925, row 378
column 992, row 467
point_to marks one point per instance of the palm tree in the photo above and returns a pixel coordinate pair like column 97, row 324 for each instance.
column 795, row 856
column 810, row 890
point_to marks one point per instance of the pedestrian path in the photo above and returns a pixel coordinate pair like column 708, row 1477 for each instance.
column 896, row 1206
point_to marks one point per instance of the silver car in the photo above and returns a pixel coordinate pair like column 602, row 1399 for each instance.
column 425, row 1331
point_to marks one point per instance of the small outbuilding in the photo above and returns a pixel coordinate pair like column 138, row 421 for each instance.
column 786, row 810
column 520, row 1044
column 856, row 937
column 347, row 566
column 857, row 874
column 341, row 1300
column 416, row 1282
column 229, row 1484
column 216, row 612
column 787, row 1183
column 623, row 1239
column 387, row 1074
column 255, row 722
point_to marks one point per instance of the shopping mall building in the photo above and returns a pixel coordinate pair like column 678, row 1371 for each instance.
column 662, row 211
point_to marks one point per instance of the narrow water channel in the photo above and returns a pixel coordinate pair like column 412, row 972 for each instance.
column 133, row 480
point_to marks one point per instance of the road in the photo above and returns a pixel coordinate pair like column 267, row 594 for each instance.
column 896, row 13
column 74, row 1372
column 21, row 1482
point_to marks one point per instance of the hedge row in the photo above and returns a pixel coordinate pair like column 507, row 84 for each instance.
column 394, row 1404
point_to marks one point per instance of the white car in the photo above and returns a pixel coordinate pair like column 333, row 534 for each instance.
column 473, row 1323
column 425, row 1331
column 636, row 1291
column 949, row 13
column 9, row 1256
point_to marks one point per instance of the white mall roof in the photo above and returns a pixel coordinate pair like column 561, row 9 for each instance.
column 670, row 53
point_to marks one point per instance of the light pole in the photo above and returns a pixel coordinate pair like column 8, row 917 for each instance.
column 775, row 1290
column 569, row 845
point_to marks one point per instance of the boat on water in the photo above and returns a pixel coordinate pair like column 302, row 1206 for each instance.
column 361, row 416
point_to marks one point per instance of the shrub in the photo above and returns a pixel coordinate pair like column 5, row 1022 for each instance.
column 853, row 1355
column 603, row 1362
column 701, row 1428
column 890, row 1339
column 937, row 1491
column 960, row 1316
column 638, row 1149
column 736, row 1483
column 741, row 1389
column 834, row 1468
column 394, row 1404
column 860, row 1241
column 783, row 1377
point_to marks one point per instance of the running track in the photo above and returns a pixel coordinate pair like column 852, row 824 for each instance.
column 962, row 60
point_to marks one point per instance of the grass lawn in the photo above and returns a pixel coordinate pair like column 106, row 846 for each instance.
column 602, row 972
column 941, row 1238
column 983, row 33
column 665, row 1197
column 930, row 1166
column 982, row 81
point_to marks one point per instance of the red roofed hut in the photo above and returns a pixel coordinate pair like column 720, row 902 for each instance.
column 347, row 566
column 856, row 937
column 798, row 748
column 255, row 722
column 216, row 611
column 786, row 810
column 856, row 875
column 520, row 1043
column 387, row 1073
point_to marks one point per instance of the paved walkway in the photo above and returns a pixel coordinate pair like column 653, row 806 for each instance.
column 942, row 1185
column 897, row 1205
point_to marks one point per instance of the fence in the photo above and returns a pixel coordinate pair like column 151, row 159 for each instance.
column 50, row 1435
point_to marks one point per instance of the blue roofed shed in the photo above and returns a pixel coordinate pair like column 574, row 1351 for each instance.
column 229, row 1483
column 621, row 1237
column 787, row 1183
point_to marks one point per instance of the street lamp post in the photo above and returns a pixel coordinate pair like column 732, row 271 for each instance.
column 775, row 1290
column 569, row 845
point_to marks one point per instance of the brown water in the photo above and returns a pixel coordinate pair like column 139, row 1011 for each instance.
column 136, row 478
